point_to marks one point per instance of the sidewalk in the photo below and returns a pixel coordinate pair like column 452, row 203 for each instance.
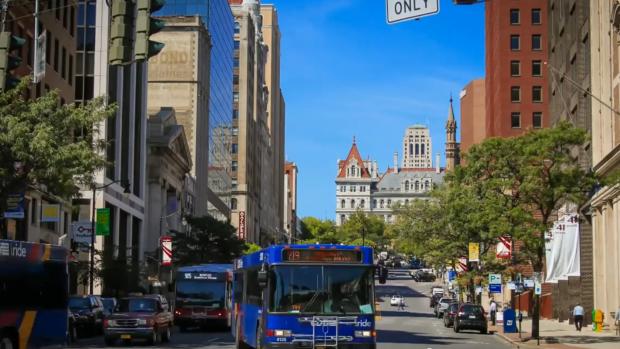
column 556, row 335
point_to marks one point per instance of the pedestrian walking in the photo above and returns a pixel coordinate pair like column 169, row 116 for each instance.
column 493, row 311
column 401, row 304
column 578, row 316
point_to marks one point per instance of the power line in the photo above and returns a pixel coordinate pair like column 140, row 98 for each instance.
column 71, row 3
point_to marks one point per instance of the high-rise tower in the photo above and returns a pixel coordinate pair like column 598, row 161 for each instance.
column 452, row 147
column 417, row 147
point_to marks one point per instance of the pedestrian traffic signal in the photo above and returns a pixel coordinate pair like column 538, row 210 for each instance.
column 8, row 61
column 120, row 33
column 145, row 27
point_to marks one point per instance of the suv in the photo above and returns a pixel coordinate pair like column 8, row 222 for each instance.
column 470, row 317
column 449, row 314
column 143, row 317
column 88, row 314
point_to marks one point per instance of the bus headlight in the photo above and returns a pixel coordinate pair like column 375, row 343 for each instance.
column 363, row 334
column 279, row 333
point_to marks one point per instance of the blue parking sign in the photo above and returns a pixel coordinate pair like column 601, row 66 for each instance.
column 495, row 288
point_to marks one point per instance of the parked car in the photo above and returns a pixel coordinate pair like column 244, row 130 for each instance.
column 140, row 317
column 88, row 314
column 442, row 305
column 396, row 299
column 109, row 303
column 423, row 276
column 449, row 314
column 71, row 328
column 470, row 317
column 436, row 289
column 435, row 298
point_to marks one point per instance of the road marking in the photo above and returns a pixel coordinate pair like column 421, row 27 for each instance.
column 213, row 340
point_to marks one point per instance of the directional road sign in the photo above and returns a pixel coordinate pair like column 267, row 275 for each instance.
column 403, row 10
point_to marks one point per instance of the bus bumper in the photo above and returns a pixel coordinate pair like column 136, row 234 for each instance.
column 309, row 345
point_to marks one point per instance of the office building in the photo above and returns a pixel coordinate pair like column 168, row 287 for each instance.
column 290, row 201
column 417, row 147
column 473, row 114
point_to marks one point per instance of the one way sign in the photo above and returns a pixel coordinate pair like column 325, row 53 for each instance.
column 402, row 10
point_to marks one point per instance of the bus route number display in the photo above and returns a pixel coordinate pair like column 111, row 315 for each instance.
column 320, row 256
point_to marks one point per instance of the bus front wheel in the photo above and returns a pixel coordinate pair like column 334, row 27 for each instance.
column 7, row 341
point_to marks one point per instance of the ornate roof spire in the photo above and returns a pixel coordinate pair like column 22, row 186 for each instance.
column 451, row 110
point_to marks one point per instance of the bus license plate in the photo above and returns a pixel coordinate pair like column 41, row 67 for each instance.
column 125, row 336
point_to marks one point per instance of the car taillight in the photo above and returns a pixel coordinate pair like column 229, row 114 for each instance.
column 278, row 333
column 177, row 312
column 461, row 313
column 105, row 323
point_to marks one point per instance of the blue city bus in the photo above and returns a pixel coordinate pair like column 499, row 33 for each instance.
column 203, row 295
column 298, row 296
column 34, row 292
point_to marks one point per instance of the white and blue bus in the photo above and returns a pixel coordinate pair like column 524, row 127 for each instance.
column 294, row 296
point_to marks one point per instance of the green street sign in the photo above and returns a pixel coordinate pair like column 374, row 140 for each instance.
column 103, row 222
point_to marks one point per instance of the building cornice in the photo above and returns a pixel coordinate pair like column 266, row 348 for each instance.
column 610, row 162
column 607, row 195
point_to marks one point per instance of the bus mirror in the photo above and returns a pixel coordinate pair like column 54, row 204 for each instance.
column 262, row 278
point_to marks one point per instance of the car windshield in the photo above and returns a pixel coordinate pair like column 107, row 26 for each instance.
column 197, row 292
column 322, row 290
column 108, row 303
column 137, row 305
column 79, row 303
column 472, row 309
column 445, row 300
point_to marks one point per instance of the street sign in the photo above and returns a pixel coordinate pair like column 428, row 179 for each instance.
column 50, row 213
column 242, row 225
column 403, row 10
column 537, row 288
column 495, row 279
column 81, row 232
column 103, row 222
column 529, row 283
column 495, row 288
column 15, row 206
column 166, row 250
column 474, row 252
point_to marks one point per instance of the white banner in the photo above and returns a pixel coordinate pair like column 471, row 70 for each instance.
column 562, row 249
column 166, row 250
column 39, row 60
column 82, row 232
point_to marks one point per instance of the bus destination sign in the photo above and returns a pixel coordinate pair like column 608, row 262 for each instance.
column 321, row 256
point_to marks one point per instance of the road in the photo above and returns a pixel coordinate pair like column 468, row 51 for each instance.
column 414, row 327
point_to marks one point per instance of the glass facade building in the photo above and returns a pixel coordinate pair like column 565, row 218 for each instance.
column 218, row 17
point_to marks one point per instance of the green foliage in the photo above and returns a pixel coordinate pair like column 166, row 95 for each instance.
column 251, row 248
column 315, row 230
column 209, row 241
column 53, row 143
column 357, row 230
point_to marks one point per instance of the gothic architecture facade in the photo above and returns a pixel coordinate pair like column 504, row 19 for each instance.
column 361, row 187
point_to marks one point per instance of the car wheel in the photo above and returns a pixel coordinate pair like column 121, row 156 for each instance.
column 483, row 331
column 167, row 334
column 7, row 342
column 109, row 341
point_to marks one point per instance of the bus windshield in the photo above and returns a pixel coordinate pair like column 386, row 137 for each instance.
column 203, row 293
column 321, row 289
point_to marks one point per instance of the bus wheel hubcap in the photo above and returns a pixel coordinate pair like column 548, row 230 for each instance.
column 6, row 344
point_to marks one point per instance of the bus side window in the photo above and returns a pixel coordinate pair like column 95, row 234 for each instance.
column 253, row 292
column 238, row 288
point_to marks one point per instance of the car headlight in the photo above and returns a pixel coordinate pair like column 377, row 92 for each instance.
column 112, row 323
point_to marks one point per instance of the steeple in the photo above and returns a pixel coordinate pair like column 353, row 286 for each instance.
column 452, row 147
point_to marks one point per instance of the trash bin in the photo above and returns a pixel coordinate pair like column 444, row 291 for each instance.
column 510, row 323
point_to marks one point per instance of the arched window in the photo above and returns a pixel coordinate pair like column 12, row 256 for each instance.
column 342, row 203
column 353, row 171
column 406, row 185
column 374, row 203
column 389, row 202
column 233, row 204
column 352, row 203
column 427, row 185
column 417, row 186
column 406, row 201
column 362, row 203
column 381, row 203
column 343, row 219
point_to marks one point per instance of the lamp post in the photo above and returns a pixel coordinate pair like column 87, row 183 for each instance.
column 127, row 190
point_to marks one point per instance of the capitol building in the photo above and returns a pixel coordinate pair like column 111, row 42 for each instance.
column 360, row 185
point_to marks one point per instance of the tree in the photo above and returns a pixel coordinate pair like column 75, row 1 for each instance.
column 45, row 144
column 251, row 248
column 363, row 229
column 315, row 230
column 209, row 241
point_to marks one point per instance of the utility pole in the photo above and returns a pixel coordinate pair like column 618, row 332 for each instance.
column 5, row 9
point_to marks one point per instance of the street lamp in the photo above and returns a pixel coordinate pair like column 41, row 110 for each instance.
column 127, row 190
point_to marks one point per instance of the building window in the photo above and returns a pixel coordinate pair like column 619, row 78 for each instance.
column 233, row 204
column 515, row 94
column 233, row 166
column 514, row 16
column 235, row 131
column 362, row 188
column 515, row 68
column 343, row 219
column 536, row 17
column 389, row 202
column 233, row 184
column 427, row 185
column 536, row 42
column 515, row 42
column 234, row 148
column 236, row 97
column 352, row 189
column 63, row 65
column 406, row 201
column 56, row 54
column 237, row 44
column 416, row 186
column 362, row 203
column 536, row 68
column 537, row 119
column 374, row 203
column 515, row 119
column 537, row 94
column 342, row 203
column 406, row 185
column 343, row 188
column 381, row 203
column 235, row 114
column 352, row 203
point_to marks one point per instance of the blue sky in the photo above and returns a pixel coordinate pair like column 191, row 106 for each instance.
column 345, row 72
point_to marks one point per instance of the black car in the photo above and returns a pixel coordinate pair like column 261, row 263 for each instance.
column 423, row 276
column 88, row 314
column 470, row 317
column 449, row 314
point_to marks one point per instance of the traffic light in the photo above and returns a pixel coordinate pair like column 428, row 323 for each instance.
column 145, row 27
column 120, row 33
column 8, row 62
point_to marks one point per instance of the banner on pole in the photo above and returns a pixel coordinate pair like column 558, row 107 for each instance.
column 461, row 265
column 166, row 250
column 39, row 60
column 504, row 248
column 242, row 225
column 474, row 252
column 562, row 249
column 102, row 226
column 81, row 232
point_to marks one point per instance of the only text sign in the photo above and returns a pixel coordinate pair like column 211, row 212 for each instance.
column 402, row 10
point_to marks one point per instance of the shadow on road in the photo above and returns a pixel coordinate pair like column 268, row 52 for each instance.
column 582, row 339
column 389, row 290
column 402, row 337
column 405, row 313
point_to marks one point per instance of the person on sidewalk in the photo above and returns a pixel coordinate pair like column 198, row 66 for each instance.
column 401, row 304
column 493, row 311
column 578, row 316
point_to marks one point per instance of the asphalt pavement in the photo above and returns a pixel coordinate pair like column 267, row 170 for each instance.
column 414, row 327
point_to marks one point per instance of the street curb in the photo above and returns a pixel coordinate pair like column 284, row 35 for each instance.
column 515, row 344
